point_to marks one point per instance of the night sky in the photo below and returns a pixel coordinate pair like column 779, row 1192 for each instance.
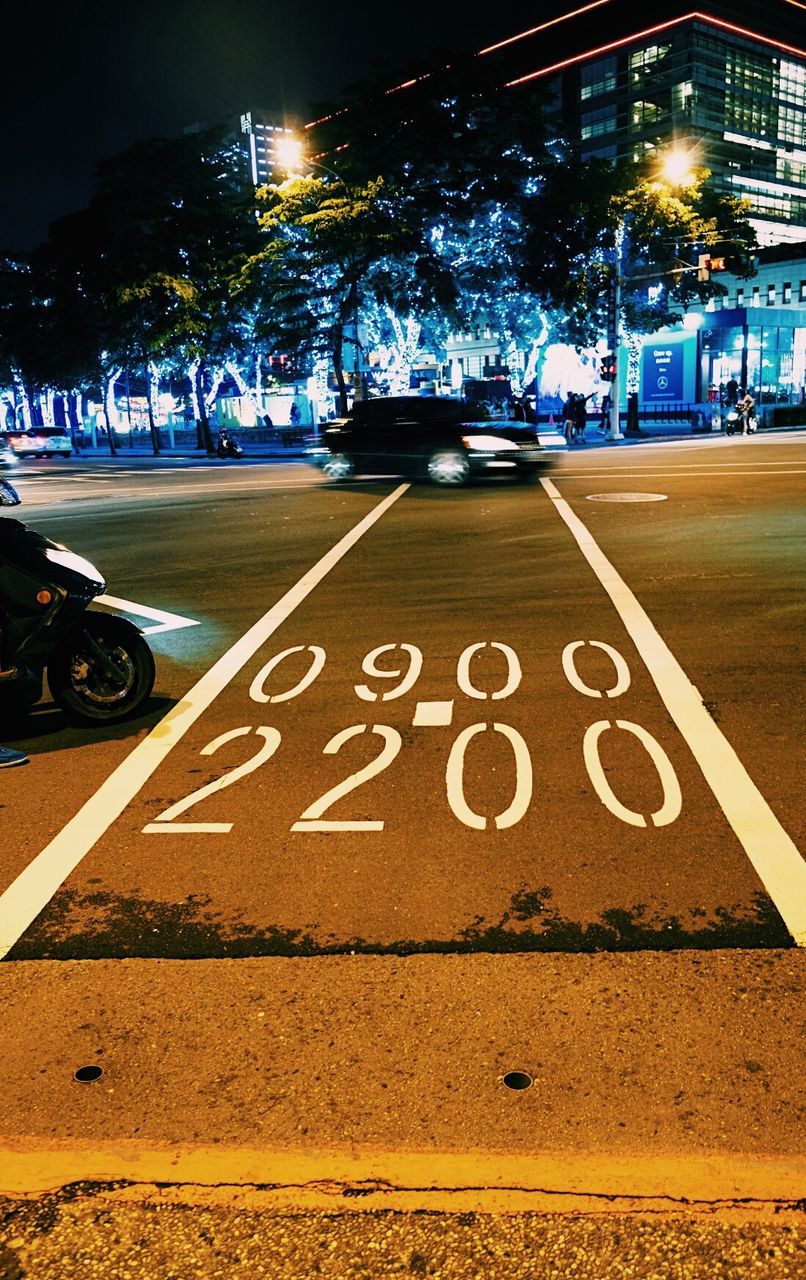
column 83, row 80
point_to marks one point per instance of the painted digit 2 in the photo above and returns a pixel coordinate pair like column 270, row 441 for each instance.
column 312, row 820
column 165, row 821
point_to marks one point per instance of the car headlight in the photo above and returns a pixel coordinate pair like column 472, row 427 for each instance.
column 495, row 443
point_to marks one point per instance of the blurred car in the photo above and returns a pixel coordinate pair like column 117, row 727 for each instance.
column 427, row 438
column 7, row 457
column 40, row 442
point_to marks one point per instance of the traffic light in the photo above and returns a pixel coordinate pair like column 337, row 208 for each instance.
column 607, row 367
column 706, row 264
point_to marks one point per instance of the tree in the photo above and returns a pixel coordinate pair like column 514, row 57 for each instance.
column 324, row 254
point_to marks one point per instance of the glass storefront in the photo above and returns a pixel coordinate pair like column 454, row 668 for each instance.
column 770, row 360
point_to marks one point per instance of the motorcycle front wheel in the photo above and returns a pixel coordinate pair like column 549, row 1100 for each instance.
column 85, row 686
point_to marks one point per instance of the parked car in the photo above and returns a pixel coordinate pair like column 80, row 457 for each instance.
column 428, row 438
column 40, row 442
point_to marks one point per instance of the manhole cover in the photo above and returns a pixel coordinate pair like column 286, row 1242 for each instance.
column 87, row 1074
column 518, row 1080
column 626, row 497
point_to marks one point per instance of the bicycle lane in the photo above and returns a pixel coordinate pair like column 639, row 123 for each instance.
column 478, row 761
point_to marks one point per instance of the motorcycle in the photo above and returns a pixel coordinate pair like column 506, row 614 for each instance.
column 732, row 422
column 228, row 446
column 99, row 668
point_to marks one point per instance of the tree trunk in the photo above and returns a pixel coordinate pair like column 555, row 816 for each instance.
column 110, row 430
column 23, row 400
column 338, row 352
column 152, row 426
column 109, row 407
column 203, row 422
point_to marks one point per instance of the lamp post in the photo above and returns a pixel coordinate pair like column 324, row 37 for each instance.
column 614, row 334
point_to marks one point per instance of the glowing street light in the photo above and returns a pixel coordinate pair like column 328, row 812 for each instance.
column 288, row 152
column 677, row 167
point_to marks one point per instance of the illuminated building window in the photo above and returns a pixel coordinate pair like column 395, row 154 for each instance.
column 787, row 292
column 803, row 290
column 644, row 60
column 597, row 78
column 682, row 96
column 756, row 296
column 770, row 295
column 644, row 113
column 792, row 82
column 790, row 168
column 740, row 297
column 790, row 125
column 595, row 123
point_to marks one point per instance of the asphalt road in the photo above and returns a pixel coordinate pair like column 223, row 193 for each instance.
column 436, row 787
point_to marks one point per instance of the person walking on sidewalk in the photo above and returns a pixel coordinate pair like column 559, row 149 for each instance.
column 581, row 416
column 569, row 417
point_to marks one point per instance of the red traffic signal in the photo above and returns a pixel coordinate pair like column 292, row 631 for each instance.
column 607, row 367
column 706, row 264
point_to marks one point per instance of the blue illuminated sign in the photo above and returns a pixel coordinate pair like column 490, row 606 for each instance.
column 662, row 375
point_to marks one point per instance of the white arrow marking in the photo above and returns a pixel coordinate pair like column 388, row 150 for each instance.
column 165, row 621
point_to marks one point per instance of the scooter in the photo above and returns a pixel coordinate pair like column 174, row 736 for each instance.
column 228, row 446
column 99, row 668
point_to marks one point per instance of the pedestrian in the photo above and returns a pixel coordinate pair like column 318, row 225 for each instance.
column 604, row 420
column 581, row 416
column 294, row 416
column 569, row 417
column 529, row 413
column 746, row 408
column 732, row 391
column 516, row 410
column 267, row 422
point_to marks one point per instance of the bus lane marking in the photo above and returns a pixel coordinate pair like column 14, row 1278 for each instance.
column 771, row 851
column 34, row 887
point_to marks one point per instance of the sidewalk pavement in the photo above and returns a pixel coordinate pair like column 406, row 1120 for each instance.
column 550, row 435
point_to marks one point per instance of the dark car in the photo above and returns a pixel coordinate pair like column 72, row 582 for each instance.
column 427, row 438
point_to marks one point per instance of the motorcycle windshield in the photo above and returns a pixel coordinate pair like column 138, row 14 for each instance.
column 54, row 564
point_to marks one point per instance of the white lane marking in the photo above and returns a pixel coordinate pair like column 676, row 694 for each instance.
column 187, row 828
column 311, row 825
column 432, row 714
column 772, row 852
column 35, row 886
column 165, row 621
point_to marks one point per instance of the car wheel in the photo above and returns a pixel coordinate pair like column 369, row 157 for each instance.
column 449, row 468
column 339, row 466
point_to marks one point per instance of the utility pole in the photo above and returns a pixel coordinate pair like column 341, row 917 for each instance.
column 614, row 338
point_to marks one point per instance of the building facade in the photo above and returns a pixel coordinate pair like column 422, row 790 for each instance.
column 728, row 84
